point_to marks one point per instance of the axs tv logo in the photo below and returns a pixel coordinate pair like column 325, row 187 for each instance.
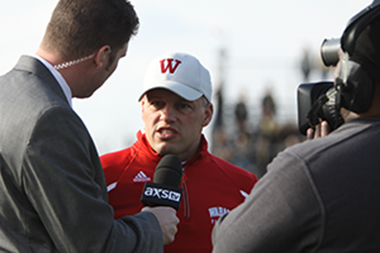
column 163, row 194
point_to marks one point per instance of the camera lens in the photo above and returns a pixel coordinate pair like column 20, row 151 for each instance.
column 329, row 52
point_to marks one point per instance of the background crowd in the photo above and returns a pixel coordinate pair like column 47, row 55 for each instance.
column 250, row 134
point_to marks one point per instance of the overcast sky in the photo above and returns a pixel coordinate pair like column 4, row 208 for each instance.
column 264, row 41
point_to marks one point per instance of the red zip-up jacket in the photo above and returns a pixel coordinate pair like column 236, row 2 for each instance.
column 211, row 188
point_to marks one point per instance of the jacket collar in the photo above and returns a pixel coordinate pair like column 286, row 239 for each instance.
column 33, row 65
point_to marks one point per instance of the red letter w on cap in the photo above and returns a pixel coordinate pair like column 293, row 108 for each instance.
column 169, row 65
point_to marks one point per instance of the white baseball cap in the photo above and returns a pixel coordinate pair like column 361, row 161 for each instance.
column 180, row 73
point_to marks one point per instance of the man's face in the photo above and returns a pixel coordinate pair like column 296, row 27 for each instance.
column 111, row 62
column 173, row 125
column 339, row 64
column 101, row 74
column 113, row 59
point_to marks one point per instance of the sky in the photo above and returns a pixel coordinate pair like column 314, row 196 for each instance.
column 263, row 43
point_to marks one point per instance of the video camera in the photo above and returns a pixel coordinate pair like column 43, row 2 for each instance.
column 318, row 100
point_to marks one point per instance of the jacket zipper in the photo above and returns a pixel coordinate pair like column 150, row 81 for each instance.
column 186, row 205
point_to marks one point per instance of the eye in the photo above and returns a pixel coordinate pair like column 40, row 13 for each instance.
column 184, row 106
column 157, row 104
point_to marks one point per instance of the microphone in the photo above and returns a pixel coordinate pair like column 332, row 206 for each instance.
column 165, row 191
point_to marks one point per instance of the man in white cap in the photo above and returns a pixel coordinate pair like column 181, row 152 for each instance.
column 176, row 105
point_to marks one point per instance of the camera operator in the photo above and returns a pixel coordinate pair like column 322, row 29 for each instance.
column 322, row 195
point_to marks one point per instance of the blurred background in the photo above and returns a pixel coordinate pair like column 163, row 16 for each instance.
column 257, row 51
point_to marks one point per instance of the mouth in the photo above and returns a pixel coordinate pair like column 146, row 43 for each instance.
column 166, row 133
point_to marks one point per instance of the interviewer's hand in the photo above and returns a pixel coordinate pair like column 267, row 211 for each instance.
column 168, row 221
column 321, row 130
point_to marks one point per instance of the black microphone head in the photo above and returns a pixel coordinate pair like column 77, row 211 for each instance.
column 169, row 171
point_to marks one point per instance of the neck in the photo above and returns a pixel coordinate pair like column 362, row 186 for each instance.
column 74, row 72
column 185, row 156
column 52, row 58
column 374, row 108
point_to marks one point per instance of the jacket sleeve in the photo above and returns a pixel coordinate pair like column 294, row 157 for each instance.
column 283, row 213
column 64, row 183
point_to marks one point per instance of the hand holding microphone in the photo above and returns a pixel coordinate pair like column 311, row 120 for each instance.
column 164, row 194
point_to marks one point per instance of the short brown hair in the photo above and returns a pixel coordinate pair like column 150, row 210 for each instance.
column 78, row 27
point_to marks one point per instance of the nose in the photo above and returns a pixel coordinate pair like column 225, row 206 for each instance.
column 168, row 114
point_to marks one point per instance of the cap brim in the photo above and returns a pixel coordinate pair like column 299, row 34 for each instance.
column 177, row 88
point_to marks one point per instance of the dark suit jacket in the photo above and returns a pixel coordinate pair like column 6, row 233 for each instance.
column 53, row 194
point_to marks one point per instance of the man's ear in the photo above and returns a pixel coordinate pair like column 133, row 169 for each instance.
column 142, row 108
column 101, row 56
column 209, row 110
